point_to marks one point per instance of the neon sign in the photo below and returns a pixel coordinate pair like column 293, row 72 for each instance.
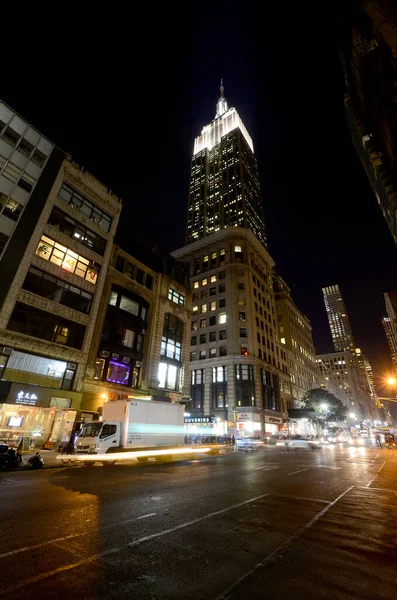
column 27, row 398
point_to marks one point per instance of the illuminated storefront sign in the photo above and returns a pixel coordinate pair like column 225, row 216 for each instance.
column 199, row 419
column 244, row 416
column 26, row 398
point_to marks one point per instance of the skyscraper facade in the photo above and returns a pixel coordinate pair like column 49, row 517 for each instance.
column 238, row 367
column 342, row 336
column 390, row 324
column 368, row 44
column 224, row 180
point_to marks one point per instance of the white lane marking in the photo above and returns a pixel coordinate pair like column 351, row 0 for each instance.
column 227, row 593
column 377, row 489
column 381, row 467
column 302, row 498
column 300, row 471
column 266, row 468
column 42, row 576
column 74, row 535
column 328, row 467
column 369, row 482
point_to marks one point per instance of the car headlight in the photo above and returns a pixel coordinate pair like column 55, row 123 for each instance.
column 92, row 448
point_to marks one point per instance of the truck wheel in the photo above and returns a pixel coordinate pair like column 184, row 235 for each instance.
column 109, row 462
column 142, row 459
column 89, row 463
column 163, row 459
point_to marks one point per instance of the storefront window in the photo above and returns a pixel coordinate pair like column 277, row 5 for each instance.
column 39, row 370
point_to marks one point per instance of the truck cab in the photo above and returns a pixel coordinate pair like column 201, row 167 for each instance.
column 98, row 437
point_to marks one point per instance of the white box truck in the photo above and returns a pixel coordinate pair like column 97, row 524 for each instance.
column 130, row 425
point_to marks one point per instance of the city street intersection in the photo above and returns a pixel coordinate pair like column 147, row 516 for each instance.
column 265, row 525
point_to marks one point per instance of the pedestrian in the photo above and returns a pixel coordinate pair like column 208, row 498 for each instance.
column 233, row 440
column 378, row 440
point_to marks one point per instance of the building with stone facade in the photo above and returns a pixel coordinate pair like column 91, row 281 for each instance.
column 341, row 368
column 142, row 341
column 238, row 367
column 390, row 324
column 295, row 335
column 57, row 224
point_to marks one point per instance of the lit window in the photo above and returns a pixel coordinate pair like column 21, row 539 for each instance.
column 212, row 305
column 203, row 308
column 283, row 340
column 213, row 278
column 222, row 318
column 168, row 376
column 195, row 308
column 204, row 281
column 195, row 284
column 50, row 250
column 175, row 297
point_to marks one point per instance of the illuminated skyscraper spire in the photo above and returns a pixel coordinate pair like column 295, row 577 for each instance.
column 221, row 105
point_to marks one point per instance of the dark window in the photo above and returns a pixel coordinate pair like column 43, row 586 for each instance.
column 41, row 324
column 194, row 325
column 222, row 288
column 270, row 390
column 243, row 332
column 193, row 356
column 171, row 341
column 219, row 387
column 139, row 275
column 203, row 338
column 88, row 208
column 45, row 285
column 196, row 389
column 213, row 291
column 77, row 231
column 222, row 350
column 149, row 281
column 193, row 340
column 212, row 321
column 212, row 336
column 222, row 302
column 107, row 430
column 203, row 354
column 245, row 385
column 241, row 286
column 221, row 275
column 241, row 316
column 222, row 334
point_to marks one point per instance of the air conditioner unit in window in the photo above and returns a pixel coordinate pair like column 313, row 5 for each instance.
column 105, row 353
column 97, row 221
column 115, row 355
column 127, row 360
column 6, row 350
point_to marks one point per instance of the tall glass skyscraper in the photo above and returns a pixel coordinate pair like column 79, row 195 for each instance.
column 342, row 336
column 224, row 181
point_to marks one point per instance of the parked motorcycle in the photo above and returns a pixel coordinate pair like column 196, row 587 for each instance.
column 35, row 461
column 9, row 458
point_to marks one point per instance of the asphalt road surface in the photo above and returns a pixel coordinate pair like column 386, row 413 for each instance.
column 271, row 525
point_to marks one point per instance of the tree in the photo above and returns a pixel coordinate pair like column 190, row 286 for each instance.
column 327, row 406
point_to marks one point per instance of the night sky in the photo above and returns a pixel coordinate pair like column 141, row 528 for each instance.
column 127, row 94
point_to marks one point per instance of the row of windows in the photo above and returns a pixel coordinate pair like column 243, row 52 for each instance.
column 212, row 279
column 46, row 326
column 217, row 258
column 134, row 272
column 245, row 388
column 77, row 231
column 211, row 306
column 211, row 292
column 67, row 259
column 43, row 284
column 202, row 354
column 211, row 337
column 86, row 207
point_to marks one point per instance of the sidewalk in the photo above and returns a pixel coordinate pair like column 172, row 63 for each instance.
column 49, row 457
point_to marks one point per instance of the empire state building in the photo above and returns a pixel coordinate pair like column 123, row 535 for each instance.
column 224, row 182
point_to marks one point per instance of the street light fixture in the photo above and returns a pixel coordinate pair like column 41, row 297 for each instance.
column 324, row 406
column 392, row 381
column 352, row 415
